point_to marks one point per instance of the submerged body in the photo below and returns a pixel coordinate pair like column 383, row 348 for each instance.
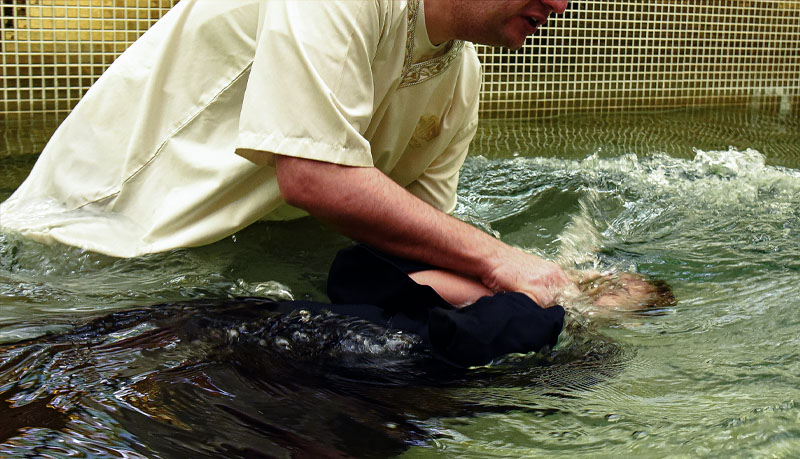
column 598, row 292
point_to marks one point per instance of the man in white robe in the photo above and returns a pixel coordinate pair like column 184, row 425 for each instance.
column 359, row 112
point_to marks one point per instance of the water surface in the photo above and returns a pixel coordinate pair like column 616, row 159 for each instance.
column 156, row 357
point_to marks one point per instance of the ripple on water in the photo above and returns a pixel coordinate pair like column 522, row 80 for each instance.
column 264, row 375
column 721, row 207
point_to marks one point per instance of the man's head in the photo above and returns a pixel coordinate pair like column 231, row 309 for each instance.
column 490, row 22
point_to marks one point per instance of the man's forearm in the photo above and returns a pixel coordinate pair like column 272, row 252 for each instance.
column 366, row 205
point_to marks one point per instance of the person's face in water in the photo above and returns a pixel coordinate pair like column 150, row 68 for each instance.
column 502, row 22
column 623, row 291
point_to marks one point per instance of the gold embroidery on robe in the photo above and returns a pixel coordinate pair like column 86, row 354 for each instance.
column 428, row 128
column 423, row 71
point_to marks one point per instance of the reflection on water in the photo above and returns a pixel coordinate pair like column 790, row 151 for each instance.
column 147, row 381
column 707, row 201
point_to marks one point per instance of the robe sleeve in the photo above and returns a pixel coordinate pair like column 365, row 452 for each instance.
column 310, row 91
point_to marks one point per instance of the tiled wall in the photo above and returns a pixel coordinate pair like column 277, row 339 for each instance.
column 600, row 56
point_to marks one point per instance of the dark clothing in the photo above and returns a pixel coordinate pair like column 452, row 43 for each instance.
column 366, row 283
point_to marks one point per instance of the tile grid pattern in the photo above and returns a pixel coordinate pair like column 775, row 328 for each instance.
column 600, row 56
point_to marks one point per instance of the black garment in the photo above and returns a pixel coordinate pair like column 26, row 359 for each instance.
column 474, row 335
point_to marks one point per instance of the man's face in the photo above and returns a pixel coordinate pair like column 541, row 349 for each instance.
column 503, row 22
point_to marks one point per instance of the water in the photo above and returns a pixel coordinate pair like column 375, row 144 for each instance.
column 155, row 357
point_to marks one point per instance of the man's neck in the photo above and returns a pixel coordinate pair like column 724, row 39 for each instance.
column 437, row 20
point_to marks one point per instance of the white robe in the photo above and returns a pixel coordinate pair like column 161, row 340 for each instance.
column 154, row 157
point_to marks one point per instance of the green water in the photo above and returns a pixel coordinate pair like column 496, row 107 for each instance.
column 708, row 200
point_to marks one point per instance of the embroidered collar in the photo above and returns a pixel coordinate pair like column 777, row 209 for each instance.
column 423, row 71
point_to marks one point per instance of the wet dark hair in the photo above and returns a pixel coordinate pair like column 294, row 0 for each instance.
column 662, row 295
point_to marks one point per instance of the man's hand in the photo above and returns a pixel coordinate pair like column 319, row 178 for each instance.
column 518, row 271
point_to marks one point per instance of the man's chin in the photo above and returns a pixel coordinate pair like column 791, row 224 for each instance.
column 508, row 41
column 515, row 46
column 515, row 42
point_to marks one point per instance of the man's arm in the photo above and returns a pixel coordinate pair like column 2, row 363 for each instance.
column 363, row 203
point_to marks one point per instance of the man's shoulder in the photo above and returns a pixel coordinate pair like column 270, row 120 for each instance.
column 471, row 65
column 471, row 55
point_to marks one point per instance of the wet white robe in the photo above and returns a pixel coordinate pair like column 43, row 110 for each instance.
column 154, row 157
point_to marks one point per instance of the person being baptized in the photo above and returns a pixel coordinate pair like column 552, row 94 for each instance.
column 461, row 320
column 618, row 291
column 593, row 292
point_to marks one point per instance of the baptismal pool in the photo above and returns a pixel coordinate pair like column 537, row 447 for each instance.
column 152, row 357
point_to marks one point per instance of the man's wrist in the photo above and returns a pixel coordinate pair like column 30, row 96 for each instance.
column 490, row 263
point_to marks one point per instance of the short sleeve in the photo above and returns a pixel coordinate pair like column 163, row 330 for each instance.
column 310, row 89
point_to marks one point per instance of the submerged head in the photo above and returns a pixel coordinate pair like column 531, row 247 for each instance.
column 623, row 291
